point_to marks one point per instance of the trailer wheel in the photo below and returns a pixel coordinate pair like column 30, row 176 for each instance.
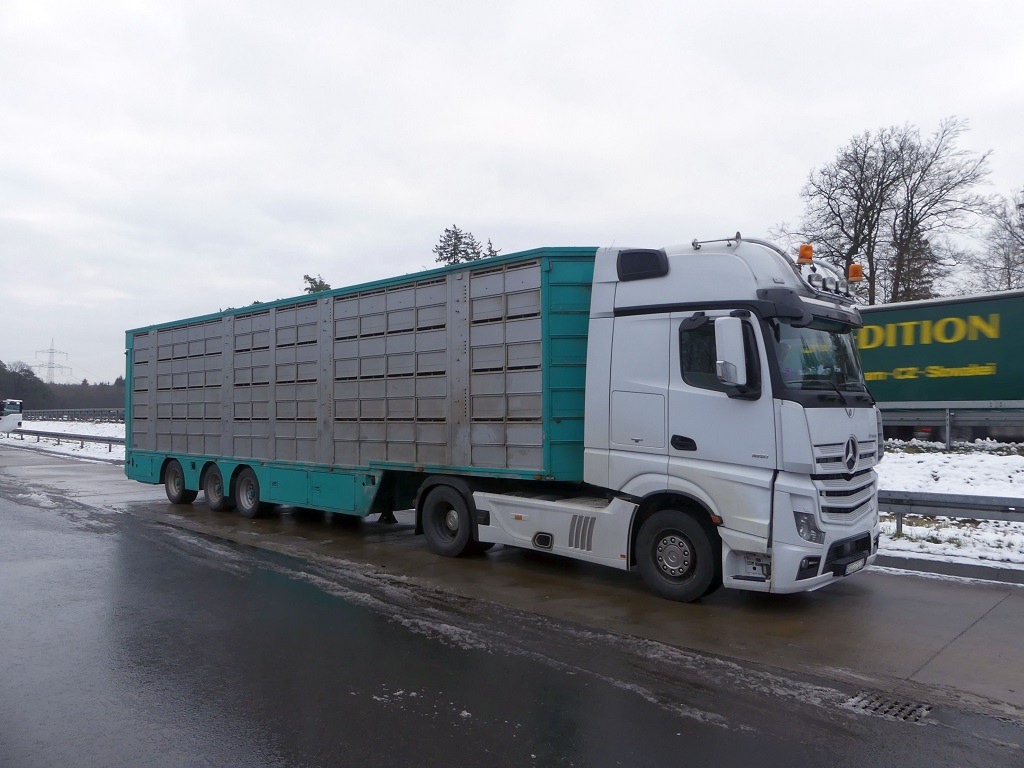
column 247, row 495
column 213, row 489
column 446, row 522
column 174, row 485
column 675, row 556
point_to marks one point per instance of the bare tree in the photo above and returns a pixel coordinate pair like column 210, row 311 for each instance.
column 1000, row 265
column 846, row 200
column 889, row 200
column 936, row 195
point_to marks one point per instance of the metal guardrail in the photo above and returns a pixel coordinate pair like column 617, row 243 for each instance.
column 76, row 414
column 949, row 416
column 110, row 442
column 901, row 503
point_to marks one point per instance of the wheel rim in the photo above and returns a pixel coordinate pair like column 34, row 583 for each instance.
column 674, row 554
column 177, row 482
column 451, row 522
column 215, row 489
column 248, row 494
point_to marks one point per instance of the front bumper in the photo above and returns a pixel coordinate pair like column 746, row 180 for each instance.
column 791, row 571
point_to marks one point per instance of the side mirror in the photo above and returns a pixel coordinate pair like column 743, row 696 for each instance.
column 730, row 356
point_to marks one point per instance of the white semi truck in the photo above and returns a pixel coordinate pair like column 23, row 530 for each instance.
column 697, row 413
column 10, row 416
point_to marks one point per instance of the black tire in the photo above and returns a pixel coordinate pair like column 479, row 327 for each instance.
column 213, row 489
column 174, row 485
column 247, row 495
column 446, row 522
column 676, row 557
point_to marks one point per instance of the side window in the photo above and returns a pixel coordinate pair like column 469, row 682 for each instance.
column 697, row 357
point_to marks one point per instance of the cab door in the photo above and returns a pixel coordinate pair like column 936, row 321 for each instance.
column 721, row 441
column 638, row 405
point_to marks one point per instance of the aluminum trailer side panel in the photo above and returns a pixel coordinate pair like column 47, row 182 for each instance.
column 473, row 369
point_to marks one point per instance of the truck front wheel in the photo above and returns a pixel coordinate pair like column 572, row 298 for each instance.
column 174, row 485
column 675, row 556
column 446, row 522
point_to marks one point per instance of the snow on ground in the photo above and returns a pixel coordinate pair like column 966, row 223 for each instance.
column 983, row 468
column 88, row 450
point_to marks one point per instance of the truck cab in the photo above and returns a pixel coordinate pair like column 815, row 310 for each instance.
column 10, row 418
column 725, row 398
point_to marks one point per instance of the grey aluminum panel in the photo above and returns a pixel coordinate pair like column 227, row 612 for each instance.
column 445, row 372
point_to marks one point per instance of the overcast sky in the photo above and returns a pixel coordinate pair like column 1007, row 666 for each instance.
column 164, row 160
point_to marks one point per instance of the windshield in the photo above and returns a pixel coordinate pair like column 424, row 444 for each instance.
column 820, row 356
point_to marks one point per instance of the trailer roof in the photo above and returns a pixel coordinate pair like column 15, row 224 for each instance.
column 581, row 252
column 943, row 300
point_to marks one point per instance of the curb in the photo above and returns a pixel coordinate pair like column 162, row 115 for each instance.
column 964, row 570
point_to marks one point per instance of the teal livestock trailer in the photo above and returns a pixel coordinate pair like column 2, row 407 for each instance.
column 345, row 400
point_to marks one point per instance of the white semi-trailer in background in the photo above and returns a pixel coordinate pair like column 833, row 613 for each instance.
column 697, row 412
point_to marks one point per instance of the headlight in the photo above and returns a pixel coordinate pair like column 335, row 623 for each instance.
column 808, row 528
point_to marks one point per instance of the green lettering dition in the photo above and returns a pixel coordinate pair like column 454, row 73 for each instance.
column 948, row 330
column 977, row 325
column 870, row 336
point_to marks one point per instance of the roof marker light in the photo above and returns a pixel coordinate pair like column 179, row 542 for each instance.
column 806, row 254
column 855, row 273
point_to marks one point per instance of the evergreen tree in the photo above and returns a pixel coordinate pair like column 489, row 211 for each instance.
column 316, row 284
column 457, row 246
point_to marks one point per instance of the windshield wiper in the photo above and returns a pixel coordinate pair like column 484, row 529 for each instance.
column 831, row 381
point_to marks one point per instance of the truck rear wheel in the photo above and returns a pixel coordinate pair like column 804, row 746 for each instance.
column 247, row 495
column 174, row 485
column 446, row 522
column 675, row 556
column 213, row 490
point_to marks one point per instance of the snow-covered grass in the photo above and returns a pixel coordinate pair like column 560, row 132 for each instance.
column 88, row 450
column 981, row 468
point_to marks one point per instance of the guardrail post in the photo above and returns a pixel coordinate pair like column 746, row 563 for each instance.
column 899, row 523
column 949, row 429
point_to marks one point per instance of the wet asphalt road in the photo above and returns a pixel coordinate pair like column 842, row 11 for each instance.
column 127, row 641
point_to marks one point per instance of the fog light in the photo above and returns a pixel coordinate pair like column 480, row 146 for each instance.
column 808, row 568
column 808, row 528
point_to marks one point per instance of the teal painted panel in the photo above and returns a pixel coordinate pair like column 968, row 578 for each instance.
column 566, row 404
column 333, row 490
column 288, row 486
column 569, row 460
column 567, row 292
column 142, row 467
column 569, row 376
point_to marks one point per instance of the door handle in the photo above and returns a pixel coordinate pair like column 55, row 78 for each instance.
column 681, row 443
